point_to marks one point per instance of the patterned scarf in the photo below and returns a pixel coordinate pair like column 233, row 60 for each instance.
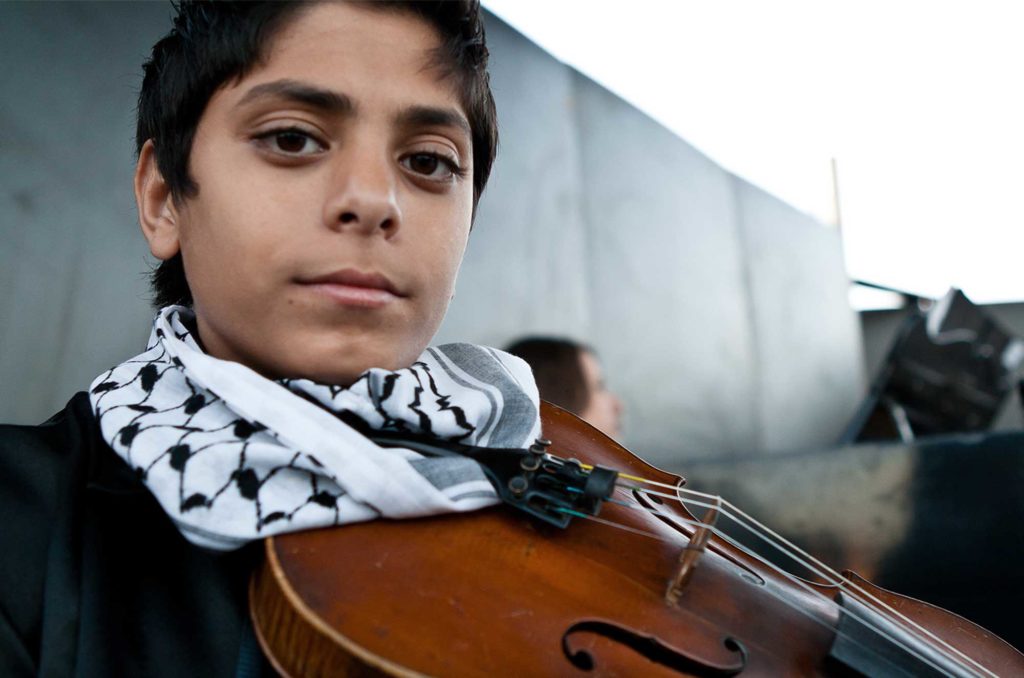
column 233, row 456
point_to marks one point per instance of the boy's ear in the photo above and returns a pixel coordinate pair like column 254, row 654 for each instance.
column 158, row 215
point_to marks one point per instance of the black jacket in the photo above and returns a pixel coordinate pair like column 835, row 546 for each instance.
column 94, row 578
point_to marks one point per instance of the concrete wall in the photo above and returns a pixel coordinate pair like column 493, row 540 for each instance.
column 72, row 264
column 668, row 295
column 808, row 347
column 719, row 311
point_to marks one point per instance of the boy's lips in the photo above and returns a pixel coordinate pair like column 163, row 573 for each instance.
column 350, row 287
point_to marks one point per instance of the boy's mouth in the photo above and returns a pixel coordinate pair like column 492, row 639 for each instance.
column 350, row 287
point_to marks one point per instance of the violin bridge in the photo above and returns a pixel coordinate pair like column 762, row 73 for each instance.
column 690, row 554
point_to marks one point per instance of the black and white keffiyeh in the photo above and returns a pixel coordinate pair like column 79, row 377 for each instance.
column 233, row 456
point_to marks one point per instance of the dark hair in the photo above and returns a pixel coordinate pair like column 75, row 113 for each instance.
column 212, row 42
column 557, row 369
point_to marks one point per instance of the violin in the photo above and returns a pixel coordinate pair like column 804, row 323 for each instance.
column 636, row 585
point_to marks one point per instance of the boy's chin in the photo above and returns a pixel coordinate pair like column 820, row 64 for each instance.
column 333, row 370
column 335, row 375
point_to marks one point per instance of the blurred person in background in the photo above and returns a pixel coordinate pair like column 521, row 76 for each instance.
column 568, row 374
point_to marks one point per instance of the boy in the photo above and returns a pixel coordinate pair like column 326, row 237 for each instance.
column 307, row 175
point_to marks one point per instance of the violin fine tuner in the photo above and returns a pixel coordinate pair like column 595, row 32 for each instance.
column 549, row 487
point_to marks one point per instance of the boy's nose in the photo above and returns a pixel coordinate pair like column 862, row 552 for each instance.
column 363, row 198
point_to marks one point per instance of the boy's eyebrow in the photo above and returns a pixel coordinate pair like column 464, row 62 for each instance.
column 431, row 116
column 330, row 101
column 317, row 97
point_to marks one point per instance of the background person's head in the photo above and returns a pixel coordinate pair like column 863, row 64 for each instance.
column 569, row 375
column 308, row 174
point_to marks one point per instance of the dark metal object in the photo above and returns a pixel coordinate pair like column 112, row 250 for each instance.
column 948, row 371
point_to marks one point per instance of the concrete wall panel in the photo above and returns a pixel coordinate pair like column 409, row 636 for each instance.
column 809, row 375
column 525, row 269
column 73, row 298
column 668, row 302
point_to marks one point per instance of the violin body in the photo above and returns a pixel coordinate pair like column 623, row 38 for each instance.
column 496, row 592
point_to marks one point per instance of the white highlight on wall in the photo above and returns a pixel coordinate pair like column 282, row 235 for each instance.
column 919, row 102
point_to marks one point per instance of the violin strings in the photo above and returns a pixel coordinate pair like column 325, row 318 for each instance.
column 798, row 556
column 778, row 596
column 612, row 523
column 822, row 570
column 867, row 621
column 804, row 559
column 775, row 594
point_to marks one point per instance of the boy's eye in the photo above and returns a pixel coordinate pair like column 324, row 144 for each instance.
column 423, row 163
column 292, row 142
column 432, row 166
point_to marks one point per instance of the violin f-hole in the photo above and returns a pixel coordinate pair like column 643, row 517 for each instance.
column 654, row 650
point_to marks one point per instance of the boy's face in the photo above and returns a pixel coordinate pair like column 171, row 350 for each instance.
column 335, row 199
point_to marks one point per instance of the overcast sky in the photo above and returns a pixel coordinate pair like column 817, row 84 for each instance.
column 921, row 104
